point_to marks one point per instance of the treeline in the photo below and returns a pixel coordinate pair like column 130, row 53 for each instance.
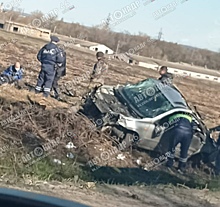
column 153, row 48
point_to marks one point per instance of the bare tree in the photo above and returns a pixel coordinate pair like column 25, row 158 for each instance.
column 104, row 35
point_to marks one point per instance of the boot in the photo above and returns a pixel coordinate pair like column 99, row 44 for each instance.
column 169, row 162
column 182, row 167
column 45, row 94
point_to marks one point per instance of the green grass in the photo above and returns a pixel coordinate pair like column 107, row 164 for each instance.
column 46, row 170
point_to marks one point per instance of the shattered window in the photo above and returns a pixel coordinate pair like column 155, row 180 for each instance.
column 155, row 106
column 147, row 99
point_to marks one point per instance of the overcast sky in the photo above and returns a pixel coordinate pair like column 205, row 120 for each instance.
column 193, row 22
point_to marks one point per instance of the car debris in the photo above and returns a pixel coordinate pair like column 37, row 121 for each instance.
column 138, row 114
column 139, row 161
column 58, row 162
column 70, row 145
column 70, row 155
column 120, row 157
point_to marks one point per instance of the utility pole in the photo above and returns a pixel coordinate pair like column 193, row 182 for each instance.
column 9, row 22
column 160, row 34
column 10, row 17
column 117, row 47
column 54, row 29
column 1, row 7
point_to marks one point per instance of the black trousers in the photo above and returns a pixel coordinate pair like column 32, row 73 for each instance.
column 60, row 72
column 217, row 163
column 45, row 78
column 55, row 85
column 181, row 133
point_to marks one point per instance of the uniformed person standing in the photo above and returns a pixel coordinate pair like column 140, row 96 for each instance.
column 181, row 131
column 100, row 67
column 49, row 55
column 60, row 72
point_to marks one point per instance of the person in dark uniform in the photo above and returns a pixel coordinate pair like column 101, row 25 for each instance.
column 49, row 55
column 217, row 160
column 180, row 132
column 60, row 72
column 165, row 77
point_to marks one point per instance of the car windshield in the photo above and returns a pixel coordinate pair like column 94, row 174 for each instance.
column 150, row 98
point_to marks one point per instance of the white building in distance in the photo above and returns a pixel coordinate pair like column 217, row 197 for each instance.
column 92, row 46
column 101, row 48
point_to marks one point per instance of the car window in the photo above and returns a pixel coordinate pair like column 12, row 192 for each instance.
column 174, row 97
column 147, row 98
column 156, row 106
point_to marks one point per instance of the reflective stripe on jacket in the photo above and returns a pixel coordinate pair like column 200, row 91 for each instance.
column 180, row 115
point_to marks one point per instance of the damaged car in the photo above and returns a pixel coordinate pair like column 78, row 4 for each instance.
column 138, row 114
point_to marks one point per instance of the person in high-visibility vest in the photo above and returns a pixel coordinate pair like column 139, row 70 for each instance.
column 180, row 131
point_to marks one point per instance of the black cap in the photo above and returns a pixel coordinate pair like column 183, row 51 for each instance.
column 54, row 39
column 100, row 55
column 163, row 68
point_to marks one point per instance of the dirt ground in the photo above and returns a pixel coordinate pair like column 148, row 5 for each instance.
column 96, row 195
column 203, row 94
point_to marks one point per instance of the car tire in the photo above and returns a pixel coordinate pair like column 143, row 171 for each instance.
column 130, row 139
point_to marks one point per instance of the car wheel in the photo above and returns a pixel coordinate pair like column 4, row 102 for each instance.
column 131, row 138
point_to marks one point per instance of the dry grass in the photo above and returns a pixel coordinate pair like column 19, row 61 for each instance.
column 54, row 119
